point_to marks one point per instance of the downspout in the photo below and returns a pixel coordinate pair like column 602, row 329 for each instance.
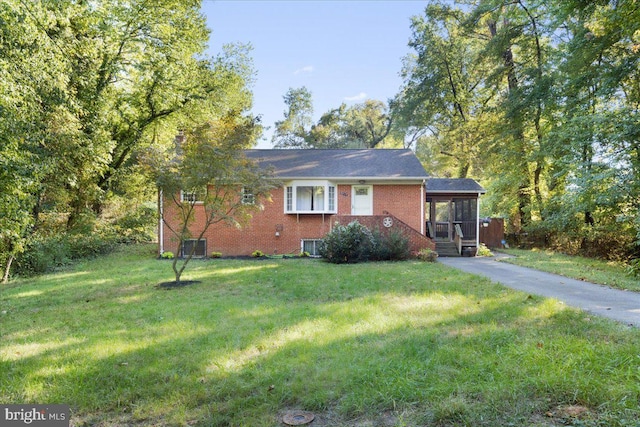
column 160, row 224
column 477, row 223
column 423, row 190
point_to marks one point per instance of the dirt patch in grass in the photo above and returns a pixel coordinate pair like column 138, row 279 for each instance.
column 563, row 415
column 173, row 284
column 329, row 418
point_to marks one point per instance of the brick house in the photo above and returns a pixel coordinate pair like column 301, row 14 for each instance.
column 381, row 188
column 384, row 189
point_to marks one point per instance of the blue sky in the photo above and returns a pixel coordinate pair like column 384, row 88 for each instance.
column 342, row 51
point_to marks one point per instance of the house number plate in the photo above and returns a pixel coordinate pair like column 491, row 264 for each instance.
column 387, row 221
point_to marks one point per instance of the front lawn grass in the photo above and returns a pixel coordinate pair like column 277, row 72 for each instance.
column 610, row 273
column 377, row 344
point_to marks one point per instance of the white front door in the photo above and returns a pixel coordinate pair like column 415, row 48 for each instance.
column 362, row 200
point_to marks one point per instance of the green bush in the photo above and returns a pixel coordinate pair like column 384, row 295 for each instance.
column 216, row 254
column 634, row 268
column 138, row 226
column 427, row 255
column 46, row 253
column 349, row 243
column 483, row 250
column 392, row 246
column 257, row 254
column 167, row 255
column 356, row 243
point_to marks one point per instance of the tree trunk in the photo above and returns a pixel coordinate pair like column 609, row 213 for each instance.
column 174, row 265
column 519, row 142
column 7, row 269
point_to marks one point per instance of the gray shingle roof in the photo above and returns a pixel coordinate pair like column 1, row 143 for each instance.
column 453, row 185
column 337, row 164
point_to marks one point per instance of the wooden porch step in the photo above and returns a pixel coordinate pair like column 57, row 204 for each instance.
column 447, row 249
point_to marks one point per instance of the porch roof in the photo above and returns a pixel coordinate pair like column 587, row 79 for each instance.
column 453, row 186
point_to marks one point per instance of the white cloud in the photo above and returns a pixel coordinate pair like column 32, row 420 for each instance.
column 359, row 97
column 305, row 69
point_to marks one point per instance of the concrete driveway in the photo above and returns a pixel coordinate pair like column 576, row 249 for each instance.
column 623, row 306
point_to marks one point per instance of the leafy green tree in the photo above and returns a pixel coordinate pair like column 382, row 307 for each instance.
column 31, row 81
column 365, row 125
column 442, row 104
column 126, row 70
column 16, row 182
column 209, row 162
column 546, row 94
column 293, row 130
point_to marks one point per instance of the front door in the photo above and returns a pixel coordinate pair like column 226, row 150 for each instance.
column 362, row 200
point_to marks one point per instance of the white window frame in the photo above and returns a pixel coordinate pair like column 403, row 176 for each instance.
column 316, row 242
column 330, row 204
column 189, row 196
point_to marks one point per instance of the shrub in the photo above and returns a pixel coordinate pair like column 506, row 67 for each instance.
column 137, row 226
column 91, row 245
column 216, row 254
column 427, row 255
column 257, row 254
column 634, row 268
column 392, row 246
column 483, row 250
column 347, row 243
column 397, row 245
column 304, row 254
column 46, row 253
column 167, row 255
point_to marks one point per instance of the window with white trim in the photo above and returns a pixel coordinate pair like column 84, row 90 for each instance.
column 310, row 197
column 193, row 196
column 311, row 246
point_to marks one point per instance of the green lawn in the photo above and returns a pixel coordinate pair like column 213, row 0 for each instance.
column 387, row 344
column 589, row 269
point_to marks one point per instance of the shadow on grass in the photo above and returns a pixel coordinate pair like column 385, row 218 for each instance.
column 432, row 345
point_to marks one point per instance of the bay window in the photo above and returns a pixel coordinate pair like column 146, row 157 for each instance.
column 310, row 197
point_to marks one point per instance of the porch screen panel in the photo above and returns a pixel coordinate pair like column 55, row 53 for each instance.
column 465, row 214
column 465, row 209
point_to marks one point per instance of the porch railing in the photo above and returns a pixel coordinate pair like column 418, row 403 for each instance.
column 458, row 238
column 442, row 230
column 468, row 229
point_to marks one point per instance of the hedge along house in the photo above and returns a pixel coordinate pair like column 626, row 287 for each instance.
column 452, row 215
column 383, row 189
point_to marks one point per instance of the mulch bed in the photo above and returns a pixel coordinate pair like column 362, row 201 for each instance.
column 174, row 285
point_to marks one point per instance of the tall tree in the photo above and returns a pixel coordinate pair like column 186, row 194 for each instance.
column 601, row 105
column 32, row 85
column 126, row 68
column 292, row 132
column 443, row 100
column 365, row 125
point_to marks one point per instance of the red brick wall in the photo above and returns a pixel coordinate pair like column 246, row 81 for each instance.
column 402, row 201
